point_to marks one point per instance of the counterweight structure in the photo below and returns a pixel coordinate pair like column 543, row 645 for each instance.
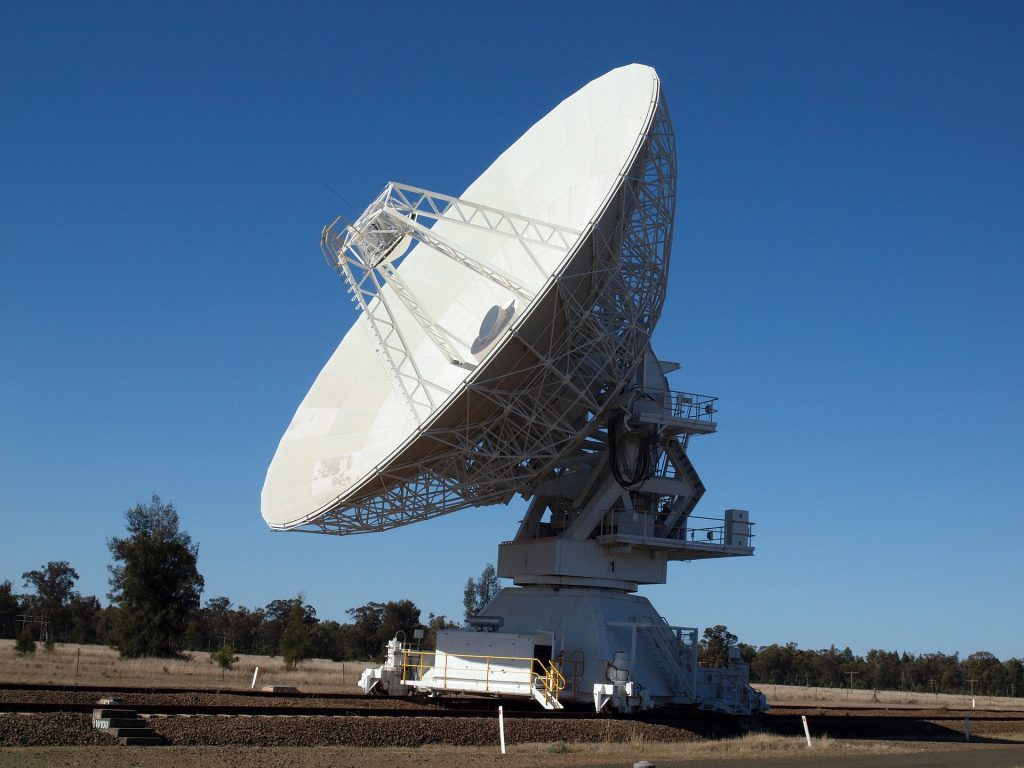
column 512, row 325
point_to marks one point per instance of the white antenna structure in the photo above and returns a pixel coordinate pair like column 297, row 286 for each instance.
column 503, row 347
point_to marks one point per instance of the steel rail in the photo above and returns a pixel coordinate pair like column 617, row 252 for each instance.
column 681, row 716
column 103, row 690
column 359, row 705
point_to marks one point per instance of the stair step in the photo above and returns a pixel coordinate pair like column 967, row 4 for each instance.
column 119, row 722
column 127, row 727
column 107, row 714
column 142, row 741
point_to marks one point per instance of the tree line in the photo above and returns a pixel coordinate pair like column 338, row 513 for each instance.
column 155, row 610
column 981, row 672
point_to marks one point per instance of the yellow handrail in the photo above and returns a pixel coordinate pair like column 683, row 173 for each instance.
column 552, row 681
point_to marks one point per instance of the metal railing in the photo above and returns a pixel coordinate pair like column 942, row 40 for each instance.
column 549, row 680
column 694, row 529
column 574, row 666
column 688, row 406
column 704, row 534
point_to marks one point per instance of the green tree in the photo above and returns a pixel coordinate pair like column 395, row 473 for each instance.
column 376, row 623
column 295, row 640
column 10, row 607
column 84, row 613
column 362, row 637
column 747, row 652
column 327, row 641
column 480, row 591
column 224, row 657
column 882, row 670
column 209, row 627
column 274, row 619
column 25, row 644
column 773, row 663
column 715, row 645
column 154, row 581
column 399, row 616
column 244, row 629
column 436, row 624
column 1014, row 676
column 987, row 672
column 54, row 586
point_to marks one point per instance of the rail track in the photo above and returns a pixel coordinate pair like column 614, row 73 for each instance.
column 235, row 710
column 82, row 699
column 166, row 690
column 54, row 714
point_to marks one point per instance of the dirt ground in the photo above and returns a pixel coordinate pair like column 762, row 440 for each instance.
column 835, row 755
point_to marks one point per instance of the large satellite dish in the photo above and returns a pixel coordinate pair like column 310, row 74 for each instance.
column 503, row 347
column 483, row 352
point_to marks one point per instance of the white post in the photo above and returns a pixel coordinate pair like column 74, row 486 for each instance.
column 255, row 672
column 501, row 727
column 807, row 730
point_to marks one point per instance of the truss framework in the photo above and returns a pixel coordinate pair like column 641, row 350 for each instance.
column 365, row 254
column 572, row 355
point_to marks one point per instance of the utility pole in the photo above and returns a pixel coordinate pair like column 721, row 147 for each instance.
column 932, row 681
column 851, row 674
column 972, row 682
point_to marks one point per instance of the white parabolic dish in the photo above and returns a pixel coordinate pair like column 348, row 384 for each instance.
column 360, row 456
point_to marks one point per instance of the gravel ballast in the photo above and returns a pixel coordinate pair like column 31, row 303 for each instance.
column 69, row 729
column 59, row 729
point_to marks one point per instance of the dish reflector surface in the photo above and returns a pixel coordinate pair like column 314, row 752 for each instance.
column 385, row 438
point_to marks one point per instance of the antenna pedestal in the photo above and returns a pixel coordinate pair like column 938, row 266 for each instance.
column 613, row 514
column 609, row 518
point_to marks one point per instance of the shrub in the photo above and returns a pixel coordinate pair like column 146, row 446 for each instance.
column 224, row 658
column 25, row 643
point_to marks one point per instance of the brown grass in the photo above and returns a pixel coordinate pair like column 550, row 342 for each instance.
column 94, row 665
column 804, row 696
column 749, row 746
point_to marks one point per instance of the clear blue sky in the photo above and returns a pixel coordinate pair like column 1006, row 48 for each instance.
column 847, row 276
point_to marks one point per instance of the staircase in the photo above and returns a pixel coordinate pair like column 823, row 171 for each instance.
column 126, row 726
column 545, row 698
column 667, row 653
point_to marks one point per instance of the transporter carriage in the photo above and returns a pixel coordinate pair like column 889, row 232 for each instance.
column 503, row 348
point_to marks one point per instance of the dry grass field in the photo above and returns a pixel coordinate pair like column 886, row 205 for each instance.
column 98, row 666
column 802, row 696
column 95, row 667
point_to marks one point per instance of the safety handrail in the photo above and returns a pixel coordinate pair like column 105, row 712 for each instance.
column 689, row 406
column 552, row 681
column 577, row 661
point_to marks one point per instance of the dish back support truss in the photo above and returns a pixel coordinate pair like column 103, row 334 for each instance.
column 548, row 385
column 365, row 254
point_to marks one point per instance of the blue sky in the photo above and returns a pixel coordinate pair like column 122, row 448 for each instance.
column 846, row 276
